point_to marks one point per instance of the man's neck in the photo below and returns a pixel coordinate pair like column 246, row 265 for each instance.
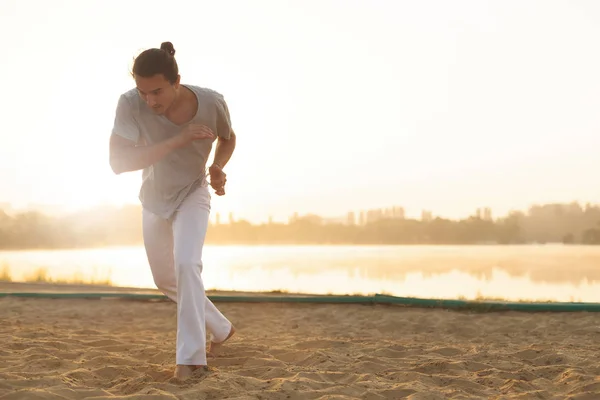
column 179, row 104
column 184, row 108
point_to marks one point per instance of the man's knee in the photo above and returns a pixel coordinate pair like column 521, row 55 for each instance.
column 188, row 267
column 165, row 282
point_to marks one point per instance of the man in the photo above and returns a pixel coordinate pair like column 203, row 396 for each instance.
column 168, row 129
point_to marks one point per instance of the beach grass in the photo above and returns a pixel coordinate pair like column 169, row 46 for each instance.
column 5, row 275
column 41, row 275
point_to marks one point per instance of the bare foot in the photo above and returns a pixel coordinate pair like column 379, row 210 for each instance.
column 183, row 372
column 213, row 347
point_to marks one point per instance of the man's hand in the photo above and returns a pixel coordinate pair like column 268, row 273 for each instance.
column 193, row 132
column 217, row 179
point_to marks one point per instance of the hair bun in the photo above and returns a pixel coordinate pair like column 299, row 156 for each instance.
column 168, row 47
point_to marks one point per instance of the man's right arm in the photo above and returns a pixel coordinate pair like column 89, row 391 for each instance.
column 126, row 156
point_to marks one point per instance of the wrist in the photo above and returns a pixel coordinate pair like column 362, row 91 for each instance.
column 216, row 165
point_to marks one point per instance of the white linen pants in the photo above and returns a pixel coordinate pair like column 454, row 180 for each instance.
column 174, row 251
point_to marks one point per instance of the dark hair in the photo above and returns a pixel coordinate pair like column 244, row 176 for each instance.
column 157, row 61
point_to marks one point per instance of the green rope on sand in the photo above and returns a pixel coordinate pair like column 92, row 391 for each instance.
column 468, row 305
column 489, row 305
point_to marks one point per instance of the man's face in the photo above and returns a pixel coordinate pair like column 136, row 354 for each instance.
column 157, row 92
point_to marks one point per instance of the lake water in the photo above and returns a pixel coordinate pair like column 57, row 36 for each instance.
column 545, row 272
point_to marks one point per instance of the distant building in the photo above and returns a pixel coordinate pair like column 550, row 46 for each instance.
column 398, row 213
column 293, row 218
column 378, row 214
column 362, row 219
column 426, row 216
column 487, row 214
column 483, row 213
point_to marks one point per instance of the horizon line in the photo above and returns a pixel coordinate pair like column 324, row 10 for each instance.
column 61, row 211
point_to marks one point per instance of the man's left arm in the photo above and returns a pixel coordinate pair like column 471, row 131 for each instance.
column 226, row 141
column 224, row 150
column 225, row 134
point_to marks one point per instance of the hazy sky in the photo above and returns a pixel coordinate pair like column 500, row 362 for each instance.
column 338, row 105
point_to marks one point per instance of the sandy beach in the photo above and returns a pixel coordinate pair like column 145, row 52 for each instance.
column 111, row 348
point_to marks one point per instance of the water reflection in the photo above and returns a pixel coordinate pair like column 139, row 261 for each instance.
column 560, row 273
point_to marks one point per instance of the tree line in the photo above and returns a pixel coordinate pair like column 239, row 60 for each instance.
column 106, row 226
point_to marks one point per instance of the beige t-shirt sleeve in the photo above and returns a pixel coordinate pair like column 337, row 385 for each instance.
column 223, row 119
column 125, row 124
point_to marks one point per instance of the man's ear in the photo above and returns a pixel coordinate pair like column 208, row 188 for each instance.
column 177, row 82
